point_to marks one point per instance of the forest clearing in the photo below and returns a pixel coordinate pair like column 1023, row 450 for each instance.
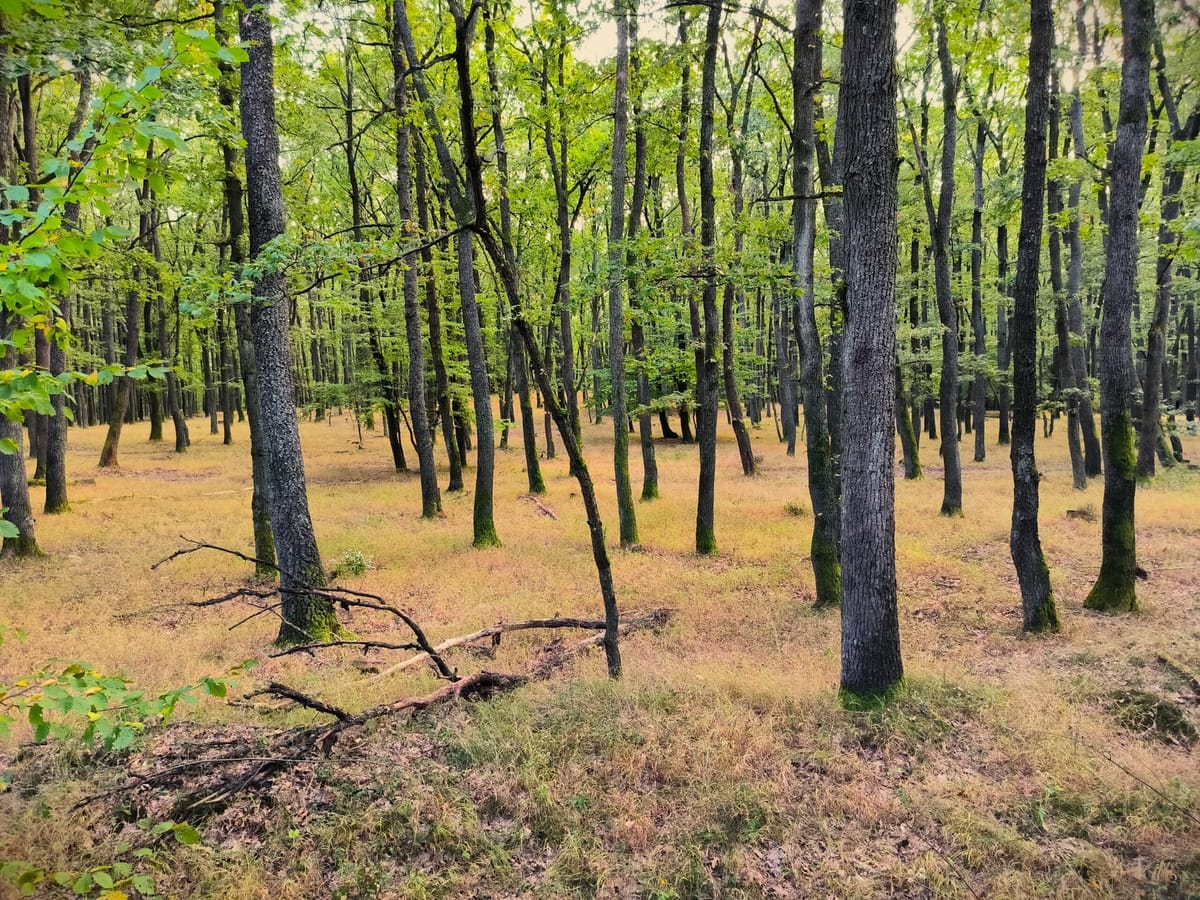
column 720, row 765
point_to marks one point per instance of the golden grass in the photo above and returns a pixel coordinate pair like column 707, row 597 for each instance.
column 722, row 765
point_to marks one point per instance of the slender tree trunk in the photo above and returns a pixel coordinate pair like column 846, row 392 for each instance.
column 1037, row 599
column 636, row 325
column 433, row 312
column 806, row 72
column 708, row 372
column 1003, row 355
column 123, row 396
column 56, row 437
column 871, row 662
column 616, row 283
column 1065, row 369
column 1092, row 455
column 234, row 197
column 978, row 325
column 305, row 617
column 466, row 212
column 1114, row 589
column 947, row 309
column 431, row 498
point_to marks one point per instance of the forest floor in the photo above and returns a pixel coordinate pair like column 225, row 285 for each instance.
column 721, row 765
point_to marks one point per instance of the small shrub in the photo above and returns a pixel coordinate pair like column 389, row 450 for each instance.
column 795, row 509
column 352, row 562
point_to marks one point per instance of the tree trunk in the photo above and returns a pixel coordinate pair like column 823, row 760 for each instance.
column 1037, row 599
column 708, row 371
column 56, row 437
column 431, row 498
column 947, row 309
column 433, row 312
column 871, row 663
column 305, row 617
column 1065, row 369
column 806, row 73
column 616, row 283
column 1114, row 589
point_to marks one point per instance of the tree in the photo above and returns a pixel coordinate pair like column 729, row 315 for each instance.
column 1114, row 589
column 305, row 616
column 707, row 369
column 871, row 661
column 1037, row 598
column 616, row 283
column 806, row 72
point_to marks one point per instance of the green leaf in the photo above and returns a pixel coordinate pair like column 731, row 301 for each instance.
column 17, row 193
column 103, row 879
column 186, row 834
column 8, row 446
column 143, row 884
column 83, row 884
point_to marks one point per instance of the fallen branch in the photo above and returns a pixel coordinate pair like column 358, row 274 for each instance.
column 275, row 689
column 541, row 507
column 345, row 597
column 653, row 619
column 258, row 758
column 325, row 645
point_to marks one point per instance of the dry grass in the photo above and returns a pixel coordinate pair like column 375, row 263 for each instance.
column 722, row 764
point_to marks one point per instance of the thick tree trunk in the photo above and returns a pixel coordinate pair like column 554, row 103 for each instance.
column 806, row 72
column 1114, row 589
column 305, row 617
column 871, row 662
column 1037, row 599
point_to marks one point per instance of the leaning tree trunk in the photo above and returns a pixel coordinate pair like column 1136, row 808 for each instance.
column 463, row 206
column 1114, row 589
column 871, row 662
column 305, row 616
column 1037, row 598
column 806, row 72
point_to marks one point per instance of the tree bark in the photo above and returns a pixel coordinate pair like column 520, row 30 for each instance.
column 305, row 617
column 431, row 498
column 616, row 283
column 806, row 73
column 1037, row 599
column 871, row 662
column 1114, row 589
column 708, row 371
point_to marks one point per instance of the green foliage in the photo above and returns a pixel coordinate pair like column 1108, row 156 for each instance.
column 135, row 872
column 352, row 562
column 79, row 702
